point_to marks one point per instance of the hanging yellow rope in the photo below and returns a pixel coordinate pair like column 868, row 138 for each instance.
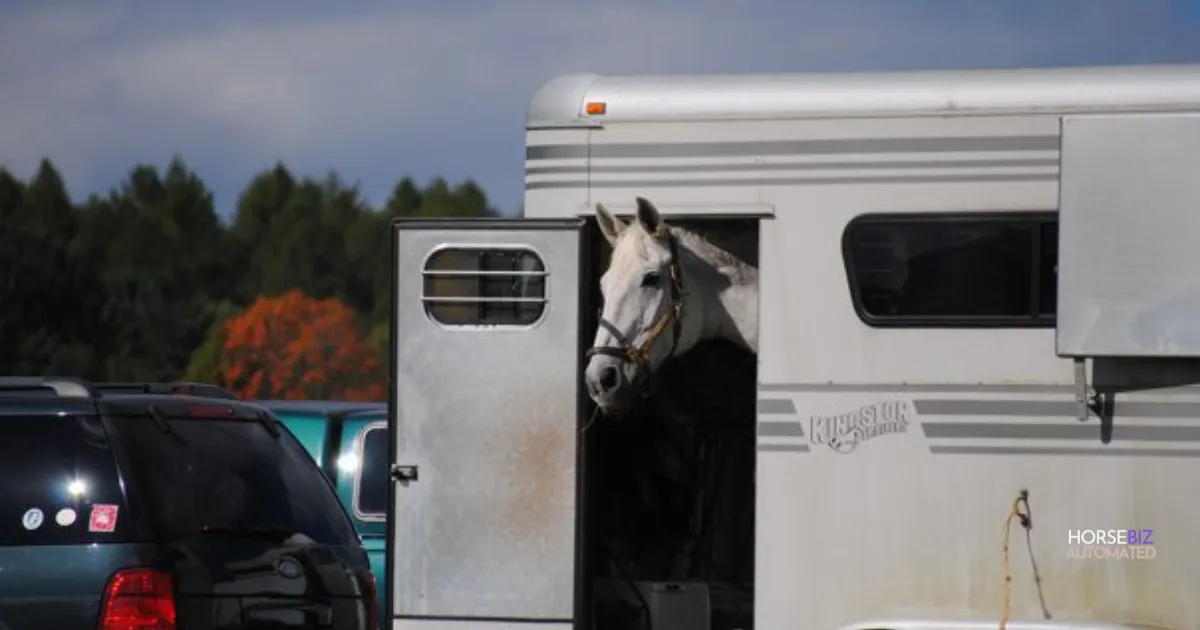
column 1026, row 521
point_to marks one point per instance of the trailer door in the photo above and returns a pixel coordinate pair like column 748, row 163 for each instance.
column 1127, row 247
column 484, row 408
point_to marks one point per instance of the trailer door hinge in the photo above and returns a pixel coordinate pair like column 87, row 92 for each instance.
column 1086, row 400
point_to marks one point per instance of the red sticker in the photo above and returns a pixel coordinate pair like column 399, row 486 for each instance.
column 103, row 518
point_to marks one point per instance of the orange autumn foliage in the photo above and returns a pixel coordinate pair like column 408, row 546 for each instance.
column 294, row 347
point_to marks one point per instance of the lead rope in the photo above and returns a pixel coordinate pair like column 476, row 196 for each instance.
column 1026, row 522
column 591, row 421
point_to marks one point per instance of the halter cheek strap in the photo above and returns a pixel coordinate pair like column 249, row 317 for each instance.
column 639, row 354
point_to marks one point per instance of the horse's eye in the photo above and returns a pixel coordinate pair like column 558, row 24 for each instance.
column 650, row 279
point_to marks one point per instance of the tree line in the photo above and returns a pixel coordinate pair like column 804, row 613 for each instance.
column 148, row 283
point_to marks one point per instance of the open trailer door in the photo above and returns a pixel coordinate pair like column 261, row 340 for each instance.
column 1129, row 226
column 485, row 401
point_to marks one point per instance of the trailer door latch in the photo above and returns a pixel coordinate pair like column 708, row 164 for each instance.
column 403, row 474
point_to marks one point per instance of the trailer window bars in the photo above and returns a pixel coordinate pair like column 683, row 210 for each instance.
column 471, row 286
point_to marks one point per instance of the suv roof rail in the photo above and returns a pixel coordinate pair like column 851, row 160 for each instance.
column 203, row 390
column 63, row 387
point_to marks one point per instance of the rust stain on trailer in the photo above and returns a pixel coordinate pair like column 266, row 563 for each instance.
column 539, row 453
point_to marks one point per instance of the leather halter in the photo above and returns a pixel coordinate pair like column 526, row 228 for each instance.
column 627, row 352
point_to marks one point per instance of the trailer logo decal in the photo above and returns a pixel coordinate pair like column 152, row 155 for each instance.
column 844, row 432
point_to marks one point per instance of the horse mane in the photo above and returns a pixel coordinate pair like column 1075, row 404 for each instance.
column 738, row 270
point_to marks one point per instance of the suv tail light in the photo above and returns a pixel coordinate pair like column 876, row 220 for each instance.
column 138, row 599
column 372, row 603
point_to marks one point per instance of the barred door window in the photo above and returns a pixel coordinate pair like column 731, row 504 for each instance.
column 492, row 286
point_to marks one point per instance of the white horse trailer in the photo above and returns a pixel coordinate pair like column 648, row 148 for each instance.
column 971, row 284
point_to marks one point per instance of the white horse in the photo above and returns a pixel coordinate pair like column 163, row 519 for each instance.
column 666, row 289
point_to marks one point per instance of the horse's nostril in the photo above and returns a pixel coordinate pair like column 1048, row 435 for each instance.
column 608, row 378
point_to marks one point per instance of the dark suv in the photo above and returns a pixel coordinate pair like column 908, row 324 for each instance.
column 153, row 507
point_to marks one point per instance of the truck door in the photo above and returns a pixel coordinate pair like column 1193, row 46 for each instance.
column 484, row 413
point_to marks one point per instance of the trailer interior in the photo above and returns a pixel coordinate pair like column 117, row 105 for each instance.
column 667, row 488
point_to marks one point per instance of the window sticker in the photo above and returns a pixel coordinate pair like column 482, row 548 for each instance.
column 103, row 518
column 32, row 519
column 65, row 517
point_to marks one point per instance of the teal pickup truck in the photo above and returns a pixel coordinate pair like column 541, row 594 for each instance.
column 349, row 441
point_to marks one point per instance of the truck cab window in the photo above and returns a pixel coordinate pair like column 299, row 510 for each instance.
column 370, row 499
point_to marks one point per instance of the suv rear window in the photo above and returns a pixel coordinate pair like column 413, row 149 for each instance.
column 230, row 475
column 57, row 472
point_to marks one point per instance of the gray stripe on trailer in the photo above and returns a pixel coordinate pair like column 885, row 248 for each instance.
column 775, row 428
column 952, row 388
column 1022, row 431
column 783, row 448
column 793, row 147
column 953, row 407
column 775, row 406
column 794, row 181
column 995, row 407
column 791, row 166
column 1060, row 451
column 948, row 388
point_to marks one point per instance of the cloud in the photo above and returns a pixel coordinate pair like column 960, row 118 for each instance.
column 379, row 89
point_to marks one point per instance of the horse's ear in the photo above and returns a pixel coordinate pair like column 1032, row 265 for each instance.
column 649, row 217
column 610, row 226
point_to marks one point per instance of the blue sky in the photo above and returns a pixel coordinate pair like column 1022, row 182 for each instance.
column 378, row 89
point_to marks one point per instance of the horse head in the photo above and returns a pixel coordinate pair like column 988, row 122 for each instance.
column 642, row 319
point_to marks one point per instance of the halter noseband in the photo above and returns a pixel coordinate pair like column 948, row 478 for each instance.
column 640, row 354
